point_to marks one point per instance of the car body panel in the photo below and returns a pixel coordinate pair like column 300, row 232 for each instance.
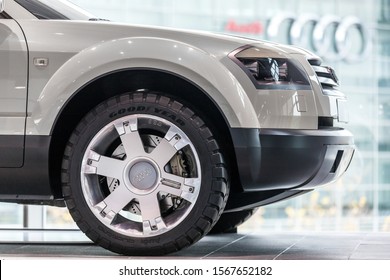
column 119, row 54
column 198, row 51
column 13, row 78
column 13, row 84
column 62, row 57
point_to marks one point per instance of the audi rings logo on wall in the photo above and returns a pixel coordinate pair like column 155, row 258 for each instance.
column 331, row 37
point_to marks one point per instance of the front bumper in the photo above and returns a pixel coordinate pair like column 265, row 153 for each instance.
column 271, row 159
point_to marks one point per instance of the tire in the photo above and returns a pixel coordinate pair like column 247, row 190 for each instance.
column 143, row 175
column 228, row 222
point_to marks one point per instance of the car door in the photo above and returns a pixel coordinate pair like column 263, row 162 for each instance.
column 13, row 92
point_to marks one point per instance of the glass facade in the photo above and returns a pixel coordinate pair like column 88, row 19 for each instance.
column 11, row 215
column 351, row 36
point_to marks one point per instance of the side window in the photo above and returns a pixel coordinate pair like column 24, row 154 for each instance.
column 40, row 10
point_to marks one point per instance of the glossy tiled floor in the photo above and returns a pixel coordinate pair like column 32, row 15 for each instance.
column 269, row 246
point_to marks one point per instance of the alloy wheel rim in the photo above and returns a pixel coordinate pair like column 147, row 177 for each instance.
column 148, row 198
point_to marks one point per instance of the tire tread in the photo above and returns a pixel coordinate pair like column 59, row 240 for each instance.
column 217, row 198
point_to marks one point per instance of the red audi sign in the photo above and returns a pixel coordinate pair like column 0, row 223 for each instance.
column 247, row 28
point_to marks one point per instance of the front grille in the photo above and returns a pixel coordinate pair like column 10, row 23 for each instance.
column 327, row 78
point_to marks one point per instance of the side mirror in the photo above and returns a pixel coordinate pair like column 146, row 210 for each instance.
column 1, row 6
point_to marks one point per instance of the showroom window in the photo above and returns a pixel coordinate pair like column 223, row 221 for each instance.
column 11, row 215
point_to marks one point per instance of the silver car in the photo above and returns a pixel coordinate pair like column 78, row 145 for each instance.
column 155, row 137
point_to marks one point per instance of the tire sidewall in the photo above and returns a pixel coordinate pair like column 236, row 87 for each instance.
column 92, row 124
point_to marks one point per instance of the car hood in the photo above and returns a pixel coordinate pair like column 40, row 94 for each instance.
column 84, row 34
column 212, row 42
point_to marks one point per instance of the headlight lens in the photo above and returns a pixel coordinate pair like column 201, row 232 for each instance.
column 271, row 71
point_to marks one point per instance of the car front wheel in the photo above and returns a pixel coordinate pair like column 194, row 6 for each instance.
column 143, row 175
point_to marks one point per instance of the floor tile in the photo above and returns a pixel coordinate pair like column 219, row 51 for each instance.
column 255, row 246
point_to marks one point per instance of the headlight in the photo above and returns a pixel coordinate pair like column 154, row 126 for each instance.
column 271, row 70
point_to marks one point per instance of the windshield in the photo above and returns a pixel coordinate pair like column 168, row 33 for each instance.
column 55, row 9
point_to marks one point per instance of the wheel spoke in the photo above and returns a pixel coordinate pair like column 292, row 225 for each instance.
column 151, row 214
column 191, row 189
column 131, row 140
column 115, row 202
column 186, row 188
column 172, row 180
column 104, row 166
column 164, row 152
column 174, row 138
column 170, row 190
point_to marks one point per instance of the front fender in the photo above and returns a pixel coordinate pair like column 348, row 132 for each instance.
column 187, row 61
